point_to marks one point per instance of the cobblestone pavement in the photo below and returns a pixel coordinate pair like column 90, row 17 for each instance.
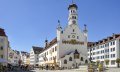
column 109, row 70
column 76, row 70
column 59, row 71
column 113, row 70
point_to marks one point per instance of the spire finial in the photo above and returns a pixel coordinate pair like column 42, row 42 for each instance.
column 46, row 40
column 85, row 28
column 59, row 26
column 59, row 21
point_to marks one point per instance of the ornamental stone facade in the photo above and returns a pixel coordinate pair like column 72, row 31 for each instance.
column 69, row 48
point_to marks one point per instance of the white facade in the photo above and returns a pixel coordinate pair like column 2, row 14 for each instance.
column 4, row 45
column 23, row 57
column 34, row 55
column 13, row 57
column 68, row 40
column 106, row 49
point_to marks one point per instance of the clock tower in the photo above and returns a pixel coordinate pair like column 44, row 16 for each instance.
column 73, row 16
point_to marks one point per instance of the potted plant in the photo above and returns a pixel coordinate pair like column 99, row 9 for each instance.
column 107, row 62
column 118, row 61
column 100, row 67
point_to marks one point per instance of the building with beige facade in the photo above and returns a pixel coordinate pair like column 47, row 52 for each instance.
column 13, row 57
column 34, row 55
column 25, row 58
column 4, row 45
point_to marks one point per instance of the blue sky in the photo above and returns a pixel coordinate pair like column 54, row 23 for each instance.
column 29, row 22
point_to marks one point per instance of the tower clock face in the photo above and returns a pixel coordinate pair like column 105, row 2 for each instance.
column 73, row 36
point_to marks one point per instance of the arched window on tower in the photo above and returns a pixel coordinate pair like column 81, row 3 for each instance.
column 73, row 11
column 86, row 61
column 65, row 61
column 70, row 58
column 81, row 59
column 75, row 17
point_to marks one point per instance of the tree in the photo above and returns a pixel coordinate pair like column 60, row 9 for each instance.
column 118, row 61
column 98, row 61
column 107, row 61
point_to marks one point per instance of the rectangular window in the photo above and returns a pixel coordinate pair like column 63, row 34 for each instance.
column 111, row 49
column 114, row 49
column 1, row 56
column 108, row 44
column 113, row 55
column 105, row 56
column 108, row 56
column 68, row 36
column 107, row 50
column 55, row 48
column 113, row 62
column 111, row 43
column 103, row 51
column 114, row 43
column 1, row 47
column 102, row 46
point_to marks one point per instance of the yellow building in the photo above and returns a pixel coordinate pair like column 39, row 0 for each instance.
column 28, row 60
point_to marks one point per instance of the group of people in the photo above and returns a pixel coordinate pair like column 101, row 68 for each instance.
column 11, row 68
column 3, row 68
column 47, row 67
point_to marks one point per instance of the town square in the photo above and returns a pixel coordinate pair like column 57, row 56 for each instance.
column 60, row 36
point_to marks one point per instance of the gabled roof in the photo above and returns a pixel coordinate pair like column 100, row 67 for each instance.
column 104, row 40
column 76, row 52
column 37, row 50
column 23, row 53
column 51, row 42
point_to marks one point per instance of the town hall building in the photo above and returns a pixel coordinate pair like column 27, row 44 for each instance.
column 69, row 48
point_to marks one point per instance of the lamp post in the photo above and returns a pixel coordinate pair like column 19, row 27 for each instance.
column 90, row 55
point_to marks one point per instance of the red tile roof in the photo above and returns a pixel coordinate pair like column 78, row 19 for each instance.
column 114, row 36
